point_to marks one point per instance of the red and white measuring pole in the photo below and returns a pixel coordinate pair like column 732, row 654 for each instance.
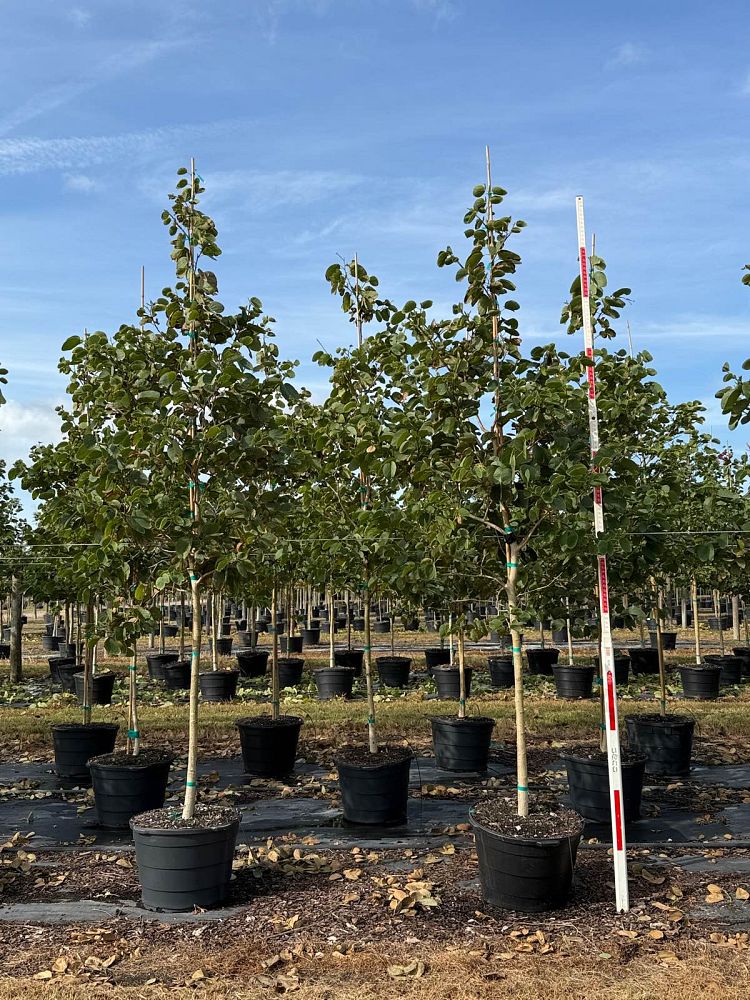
column 607, row 660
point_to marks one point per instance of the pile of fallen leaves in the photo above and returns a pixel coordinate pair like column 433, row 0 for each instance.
column 14, row 860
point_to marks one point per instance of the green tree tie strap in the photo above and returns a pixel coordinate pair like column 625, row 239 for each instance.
column 133, row 734
column 190, row 784
column 521, row 788
column 195, row 653
column 512, row 565
column 132, row 669
column 516, row 649
column 86, row 708
column 370, row 720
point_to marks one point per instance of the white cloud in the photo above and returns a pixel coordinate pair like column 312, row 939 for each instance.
column 81, row 183
column 627, row 54
column 23, row 425
column 441, row 10
column 79, row 16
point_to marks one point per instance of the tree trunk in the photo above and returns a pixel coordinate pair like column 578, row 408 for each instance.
column 684, row 611
column 134, row 736
column 696, row 622
column 717, row 605
column 275, row 659
column 371, row 733
column 568, row 629
column 736, row 618
column 522, row 768
column 88, row 672
column 660, row 650
column 182, row 625
column 191, row 781
column 331, row 626
column 461, row 675
column 16, row 630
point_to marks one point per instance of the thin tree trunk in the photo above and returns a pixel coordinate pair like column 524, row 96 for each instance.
column 88, row 676
column 696, row 622
column 371, row 733
column 736, row 617
column 522, row 769
column 274, row 659
column 191, row 782
column 331, row 627
column 16, row 630
column 348, row 619
column 568, row 629
column 717, row 605
column 461, row 675
column 214, row 601
column 660, row 650
column 181, row 653
column 134, row 736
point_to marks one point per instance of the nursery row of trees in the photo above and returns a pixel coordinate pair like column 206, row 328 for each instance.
column 449, row 462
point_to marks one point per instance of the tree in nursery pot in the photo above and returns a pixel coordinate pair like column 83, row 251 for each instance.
column 189, row 450
column 353, row 434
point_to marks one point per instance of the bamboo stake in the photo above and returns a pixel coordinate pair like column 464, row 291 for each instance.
column 461, row 674
column 371, row 732
column 133, row 729
column 717, row 605
column 568, row 629
column 331, row 627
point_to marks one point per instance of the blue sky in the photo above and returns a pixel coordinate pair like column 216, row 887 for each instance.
column 329, row 127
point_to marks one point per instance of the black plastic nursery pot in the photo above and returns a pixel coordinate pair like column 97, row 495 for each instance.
column 66, row 674
column 374, row 787
column 4, row 650
column 70, row 649
column 622, row 668
column 393, row 671
column 291, row 643
column 310, row 636
column 668, row 640
column 102, row 686
column 218, row 685
column 573, row 681
column 411, row 624
column 436, row 657
column 245, row 640
column 290, row 671
column 644, row 660
column 177, row 675
column 353, row 658
column 269, row 746
column 334, row 682
column 529, row 874
column 382, row 627
column 588, row 782
column 665, row 741
column 224, row 646
column 170, row 631
column 462, row 744
column 701, row 683
column 156, row 663
column 125, row 786
column 502, row 674
column 50, row 643
column 731, row 668
column 358, row 624
column 449, row 683
column 55, row 662
column 75, row 744
column 744, row 652
column 541, row 661
column 181, row 867
column 560, row 636
column 252, row 662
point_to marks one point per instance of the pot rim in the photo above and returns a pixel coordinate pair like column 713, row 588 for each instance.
column 508, row 838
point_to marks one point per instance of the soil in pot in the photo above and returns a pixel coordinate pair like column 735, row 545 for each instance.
column 701, row 683
column 75, row 744
column 393, row 671
column 252, row 662
column 665, row 741
column 525, row 864
column 334, row 682
column 184, row 864
column 177, row 675
column 541, row 661
column 290, row 671
column 501, row 671
column 102, row 686
column 449, row 683
column 353, row 658
column 574, row 681
column 588, row 782
column 436, row 657
column 269, row 746
column 218, row 685
column 462, row 744
column 374, row 787
column 125, row 785
column 644, row 660
column 156, row 663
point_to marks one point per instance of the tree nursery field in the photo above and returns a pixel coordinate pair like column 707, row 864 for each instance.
column 437, row 686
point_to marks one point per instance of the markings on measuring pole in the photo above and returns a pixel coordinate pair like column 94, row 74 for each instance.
column 607, row 653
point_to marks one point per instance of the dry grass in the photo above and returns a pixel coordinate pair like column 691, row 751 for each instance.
column 456, row 974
